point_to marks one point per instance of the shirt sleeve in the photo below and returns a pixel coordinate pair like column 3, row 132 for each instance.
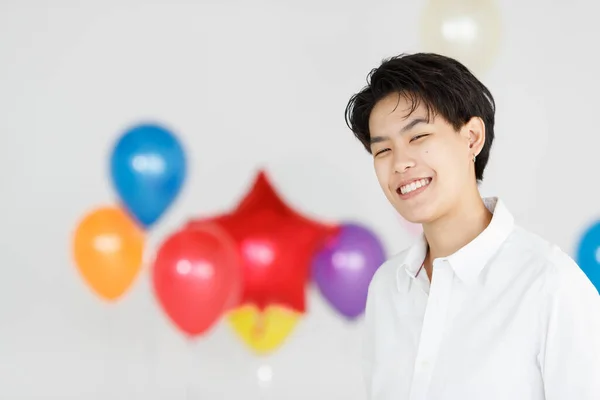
column 570, row 353
column 377, row 288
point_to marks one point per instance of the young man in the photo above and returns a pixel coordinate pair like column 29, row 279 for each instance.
column 479, row 308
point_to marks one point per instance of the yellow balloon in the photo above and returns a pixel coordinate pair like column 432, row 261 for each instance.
column 263, row 331
column 467, row 30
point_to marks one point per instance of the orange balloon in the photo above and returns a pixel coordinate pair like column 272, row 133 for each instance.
column 108, row 249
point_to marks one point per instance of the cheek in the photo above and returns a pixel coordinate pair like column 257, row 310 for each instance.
column 438, row 155
column 382, row 172
column 431, row 156
column 446, row 163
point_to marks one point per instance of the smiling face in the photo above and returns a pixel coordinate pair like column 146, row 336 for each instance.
column 424, row 166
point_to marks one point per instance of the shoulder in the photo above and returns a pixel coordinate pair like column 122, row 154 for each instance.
column 529, row 244
column 565, row 278
column 385, row 278
column 559, row 273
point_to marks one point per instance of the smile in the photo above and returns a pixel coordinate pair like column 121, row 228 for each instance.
column 413, row 187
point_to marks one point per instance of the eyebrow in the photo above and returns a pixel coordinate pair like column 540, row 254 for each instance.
column 407, row 127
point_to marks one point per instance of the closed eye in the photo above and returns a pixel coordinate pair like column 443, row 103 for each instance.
column 381, row 152
column 417, row 137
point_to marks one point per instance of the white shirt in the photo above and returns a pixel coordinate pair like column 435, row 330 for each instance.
column 508, row 317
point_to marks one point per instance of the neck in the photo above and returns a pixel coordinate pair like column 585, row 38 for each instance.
column 450, row 233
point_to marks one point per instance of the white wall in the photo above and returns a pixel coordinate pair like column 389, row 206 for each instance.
column 244, row 84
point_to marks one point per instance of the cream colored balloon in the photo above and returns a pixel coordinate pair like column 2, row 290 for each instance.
column 468, row 30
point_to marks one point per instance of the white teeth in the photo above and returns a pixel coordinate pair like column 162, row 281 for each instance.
column 414, row 185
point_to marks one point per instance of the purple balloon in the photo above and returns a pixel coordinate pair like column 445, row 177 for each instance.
column 344, row 268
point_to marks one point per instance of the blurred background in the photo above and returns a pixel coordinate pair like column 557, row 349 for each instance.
column 128, row 128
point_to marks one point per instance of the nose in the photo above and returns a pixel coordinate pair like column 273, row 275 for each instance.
column 403, row 161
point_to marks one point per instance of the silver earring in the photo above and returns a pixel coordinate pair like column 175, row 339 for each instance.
column 474, row 157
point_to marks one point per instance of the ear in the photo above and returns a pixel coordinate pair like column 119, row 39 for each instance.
column 474, row 130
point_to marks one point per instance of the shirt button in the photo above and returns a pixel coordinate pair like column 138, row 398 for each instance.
column 425, row 364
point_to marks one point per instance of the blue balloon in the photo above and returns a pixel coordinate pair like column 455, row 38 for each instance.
column 588, row 254
column 148, row 168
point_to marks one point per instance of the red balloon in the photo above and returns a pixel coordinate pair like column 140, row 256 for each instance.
column 197, row 276
column 276, row 245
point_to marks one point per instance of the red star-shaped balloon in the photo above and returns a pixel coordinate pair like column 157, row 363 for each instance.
column 277, row 245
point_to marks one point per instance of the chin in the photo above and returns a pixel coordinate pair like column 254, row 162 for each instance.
column 416, row 216
column 418, row 220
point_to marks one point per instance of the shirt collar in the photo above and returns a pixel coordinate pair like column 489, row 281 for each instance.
column 468, row 261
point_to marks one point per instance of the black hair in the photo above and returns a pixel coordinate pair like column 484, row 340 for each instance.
column 442, row 84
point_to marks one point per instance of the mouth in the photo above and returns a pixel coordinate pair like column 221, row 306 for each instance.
column 413, row 188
